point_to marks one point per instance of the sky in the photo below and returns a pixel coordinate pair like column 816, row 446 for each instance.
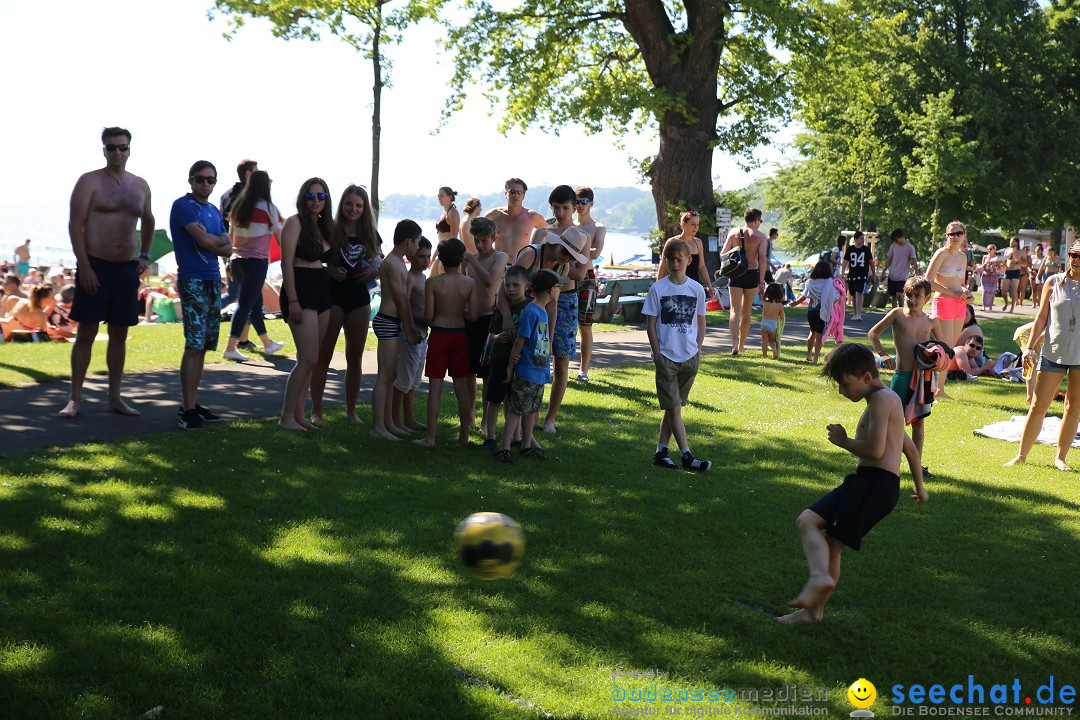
column 166, row 73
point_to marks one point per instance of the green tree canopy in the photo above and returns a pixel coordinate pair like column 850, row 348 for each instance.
column 698, row 72
column 960, row 109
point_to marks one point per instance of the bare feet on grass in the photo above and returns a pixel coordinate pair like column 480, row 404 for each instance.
column 290, row 424
column 416, row 426
column 463, row 436
column 119, row 407
column 303, row 422
column 1061, row 465
column 426, row 442
column 1015, row 461
column 799, row 617
column 384, row 435
column 71, row 410
column 814, row 593
column 317, row 419
column 353, row 417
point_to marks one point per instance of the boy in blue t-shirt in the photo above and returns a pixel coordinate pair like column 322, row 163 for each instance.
column 675, row 307
column 530, row 368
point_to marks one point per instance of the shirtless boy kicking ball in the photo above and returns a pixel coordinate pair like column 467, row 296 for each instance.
column 870, row 493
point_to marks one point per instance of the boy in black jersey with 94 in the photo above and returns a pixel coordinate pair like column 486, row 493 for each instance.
column 858, row 265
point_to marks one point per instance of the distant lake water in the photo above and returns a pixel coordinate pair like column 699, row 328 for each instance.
column 619, row 248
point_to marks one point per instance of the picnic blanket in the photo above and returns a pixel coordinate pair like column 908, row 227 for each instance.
column 1013, row 428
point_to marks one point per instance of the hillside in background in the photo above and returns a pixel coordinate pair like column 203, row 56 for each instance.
column 622, row 209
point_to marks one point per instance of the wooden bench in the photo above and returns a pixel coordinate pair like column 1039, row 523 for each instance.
column 625, row 294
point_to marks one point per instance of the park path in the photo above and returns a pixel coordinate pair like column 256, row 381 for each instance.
column 253, row 390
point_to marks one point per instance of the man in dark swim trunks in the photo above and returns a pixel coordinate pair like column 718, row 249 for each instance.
column 105, row 206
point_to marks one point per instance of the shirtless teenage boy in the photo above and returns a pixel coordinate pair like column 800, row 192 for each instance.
column 387, row 325
column 515, row 222
column 410, row 372
column 563, row 201
column 587, row 289
column 911, row 326
column 450, row 299
column 751, row 282
column 487, row 268
column 105, row 206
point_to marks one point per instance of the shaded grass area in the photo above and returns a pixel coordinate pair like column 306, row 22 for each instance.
column 149, row 347
column 250, row 573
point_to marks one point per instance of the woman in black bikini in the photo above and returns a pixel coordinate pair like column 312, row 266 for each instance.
column 696, row 270
column 305, row 291
column 751, row 282
column 450, row 220
column 353, row 264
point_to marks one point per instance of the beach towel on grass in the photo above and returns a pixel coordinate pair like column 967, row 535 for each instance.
column 1013, row 428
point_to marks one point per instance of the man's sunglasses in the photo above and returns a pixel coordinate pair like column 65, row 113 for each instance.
column 209, row 179
column 515, row 192
column 974, row 346
column 111, row 147
column 315, row 196
column 1074, row 256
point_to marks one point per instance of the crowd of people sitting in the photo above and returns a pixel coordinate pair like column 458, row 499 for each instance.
column 37, row 307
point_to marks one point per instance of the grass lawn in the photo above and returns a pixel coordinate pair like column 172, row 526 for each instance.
column 149, row 347
column 244, row 572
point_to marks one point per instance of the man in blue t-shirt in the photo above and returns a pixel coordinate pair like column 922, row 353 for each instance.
column 199, row 238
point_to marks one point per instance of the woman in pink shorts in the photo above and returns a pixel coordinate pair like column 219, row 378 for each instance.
column 946, row 275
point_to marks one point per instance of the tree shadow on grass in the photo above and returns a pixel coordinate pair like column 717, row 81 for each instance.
column 30, row 373
column 253, row 573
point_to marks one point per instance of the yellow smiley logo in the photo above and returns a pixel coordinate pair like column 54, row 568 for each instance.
column 862, row 693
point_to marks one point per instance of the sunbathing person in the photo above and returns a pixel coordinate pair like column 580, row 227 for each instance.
column 30, row 314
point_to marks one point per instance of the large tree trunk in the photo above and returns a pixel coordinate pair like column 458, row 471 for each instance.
column 682, row 65
column 681, row 176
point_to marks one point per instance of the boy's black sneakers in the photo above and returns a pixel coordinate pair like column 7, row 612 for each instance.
column 503, row 456
column 692, row 463
column 206, row 416
column 188, row 419
column 662, row 459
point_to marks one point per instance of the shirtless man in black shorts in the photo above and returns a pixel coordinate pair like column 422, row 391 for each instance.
column 751, row 282
column 105, row 205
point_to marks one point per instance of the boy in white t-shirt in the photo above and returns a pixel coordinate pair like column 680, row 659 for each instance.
column 675, row 307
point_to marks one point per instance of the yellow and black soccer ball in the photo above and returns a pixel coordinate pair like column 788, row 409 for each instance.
column 490, row 545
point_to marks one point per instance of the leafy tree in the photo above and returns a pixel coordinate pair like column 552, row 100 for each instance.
column 942, row 161
column 366, row 25
column 698, row 71
column 962, row 106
